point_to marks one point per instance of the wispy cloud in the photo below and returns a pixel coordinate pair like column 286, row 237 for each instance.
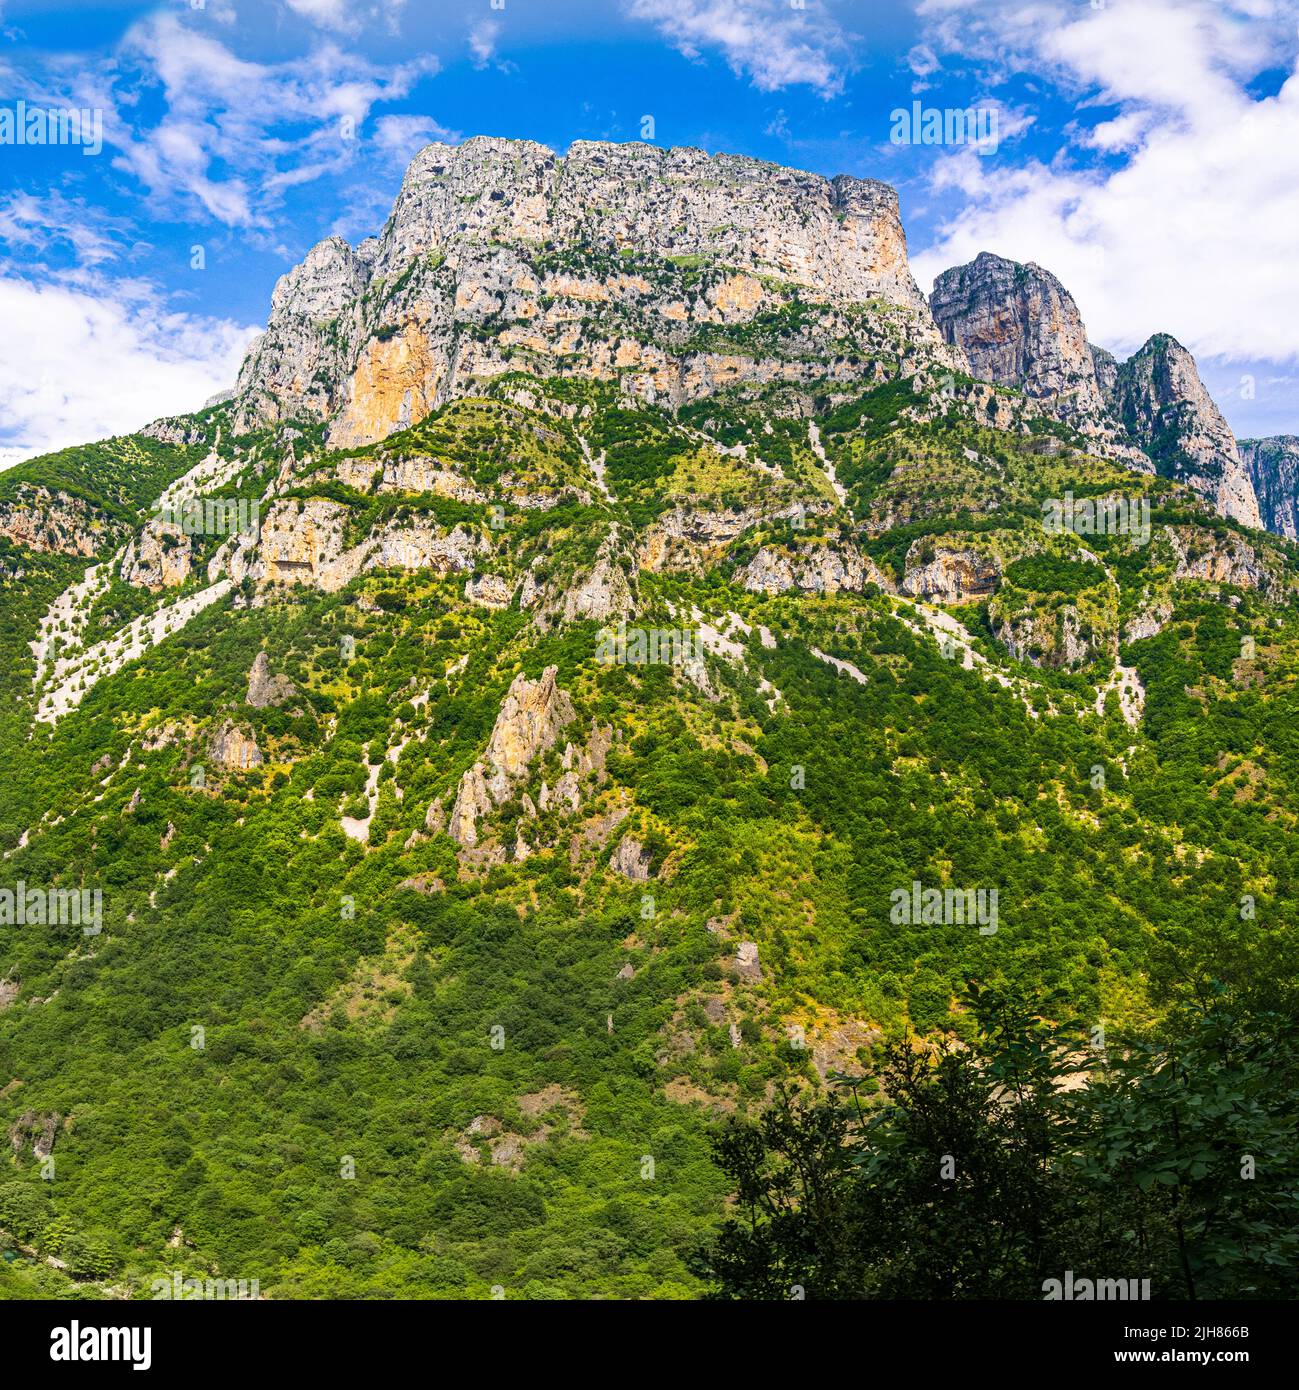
column 1177, row 211
column 775, row 44
column 235, row 134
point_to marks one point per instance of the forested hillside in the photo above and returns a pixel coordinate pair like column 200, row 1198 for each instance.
column 501, row 808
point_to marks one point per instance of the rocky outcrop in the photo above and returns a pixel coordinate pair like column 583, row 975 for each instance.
column 180, row 430
column 531, row 719
column 462, row 285
column 814, row 568
column 949, row 575
column 1200, row 555
column 1050, row 638
column 53, row 522
column 315, row 315
column 233, row 748
column 1106, row 366
column 1018, row 326
column 600, row 595
column 631, row 859
column 35, row 1131
column 1163, row 405
column 842, row 236
column 303, row 541
column 413, row 475
column 265, row 689
column 489, row 591
column 160, row 557
column 1273, row 468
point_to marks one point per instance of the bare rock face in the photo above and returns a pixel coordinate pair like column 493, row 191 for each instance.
column 161, row 557
column 53, row 522
column 34, row 1130
column 304, row 345
column 531, row 718
column 1057, row 639
column 304, row 541
column 488, row 591
column 1273, row 468
column 1199, row 555
column 746, row 961
column 820, row 569
column 233, row 748
column 1018, row 326
column 1107, row 372
column 631, row 859
column 458, row 286
column 265, row 689
column 843, row 236
column 1163, row 405
column 601, row 595
column 947, row 575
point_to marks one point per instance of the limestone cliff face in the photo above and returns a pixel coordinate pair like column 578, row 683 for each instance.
column 161, row 557
column 531, row 718
column 842, row 237
column 1273, row 467
column 1163, row 404
column 814, row 568
column 949, row 575
column 624, row 262
column 304, row 542
column 53, row 522
column 1018, row 326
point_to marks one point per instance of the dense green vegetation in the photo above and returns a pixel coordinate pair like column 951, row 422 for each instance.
column 373, row 1065
column 990, row 1172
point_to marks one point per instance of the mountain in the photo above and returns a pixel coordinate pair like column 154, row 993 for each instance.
column 1162, row 402
column 616, row 655
column 1273, row 466
column 1020, row 327
column 501, row 256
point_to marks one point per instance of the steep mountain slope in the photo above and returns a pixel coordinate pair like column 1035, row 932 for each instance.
column 1018, row 326
column 1273, row 466
column 1161, row 400
column 501, row 731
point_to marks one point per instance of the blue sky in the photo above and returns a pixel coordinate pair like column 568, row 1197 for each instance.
column 1147, row 153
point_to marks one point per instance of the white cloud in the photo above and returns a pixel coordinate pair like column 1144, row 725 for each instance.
column 77, row 365
column 482, row 41
column 346, row 16
column 1187, row 223
column 402, row 137
column 235, row 134
column 771, row 41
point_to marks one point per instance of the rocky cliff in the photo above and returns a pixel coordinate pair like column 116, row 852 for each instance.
column 1273, row 467
column 1163, row 404
column 670, row 270
column 1018, row 326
